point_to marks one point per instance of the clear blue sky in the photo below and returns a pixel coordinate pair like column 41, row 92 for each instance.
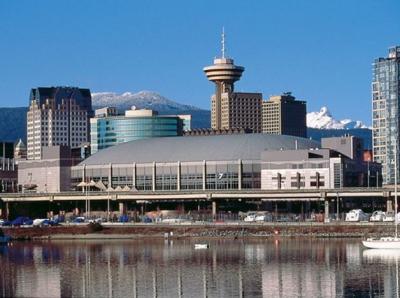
column 320, row 50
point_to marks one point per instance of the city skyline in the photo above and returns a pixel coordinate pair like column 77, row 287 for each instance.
column 130, row 47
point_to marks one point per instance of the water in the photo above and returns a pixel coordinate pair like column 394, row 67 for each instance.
column 229, row 268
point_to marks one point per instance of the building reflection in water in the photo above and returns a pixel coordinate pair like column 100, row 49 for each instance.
column 230, row 268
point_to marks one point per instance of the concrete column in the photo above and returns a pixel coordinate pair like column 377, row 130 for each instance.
column 326, row 207
column 110, row 175
column 122, row 208
column 389, row 205
column 134, row 176
column 240, row 174
column 214, row 210
column 178, row 176
column 153, row 176
column 4, row 155
column 83, row 173
column 7, row 214
column 204, row 174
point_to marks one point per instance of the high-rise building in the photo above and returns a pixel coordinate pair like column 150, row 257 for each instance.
column 385, row 112
column 283, row 115
column 108, row 128
column 57, row 116
column 228, row 108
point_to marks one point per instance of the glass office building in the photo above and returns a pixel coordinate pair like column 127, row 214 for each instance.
column 385, row 112
column 108, row 129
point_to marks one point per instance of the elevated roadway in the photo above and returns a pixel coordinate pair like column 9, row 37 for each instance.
column 209, row 195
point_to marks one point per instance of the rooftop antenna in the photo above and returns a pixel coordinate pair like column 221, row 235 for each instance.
column 223, row 42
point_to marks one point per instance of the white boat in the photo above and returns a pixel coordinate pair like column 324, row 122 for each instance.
column 387, row 242
column 201, row 246
column 383, row 242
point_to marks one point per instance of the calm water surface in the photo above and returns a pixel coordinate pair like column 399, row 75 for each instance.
column 229, row 268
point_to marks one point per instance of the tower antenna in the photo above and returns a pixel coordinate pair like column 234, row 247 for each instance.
column 223, row 42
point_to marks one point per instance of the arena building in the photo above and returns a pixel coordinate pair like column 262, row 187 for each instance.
column 184, row 163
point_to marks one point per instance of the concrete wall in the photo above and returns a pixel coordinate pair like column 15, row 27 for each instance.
column 48, row 175
column 269, row 178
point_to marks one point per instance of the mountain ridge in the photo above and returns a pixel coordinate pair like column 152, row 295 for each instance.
column 323, row 120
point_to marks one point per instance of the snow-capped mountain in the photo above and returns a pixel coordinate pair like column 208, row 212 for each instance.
column 201, row 118
column 324, row 120
column 142, row 99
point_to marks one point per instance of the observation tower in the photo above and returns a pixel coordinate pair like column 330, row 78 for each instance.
column 224, row 73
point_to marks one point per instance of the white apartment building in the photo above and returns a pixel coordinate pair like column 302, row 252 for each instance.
column 57, row 116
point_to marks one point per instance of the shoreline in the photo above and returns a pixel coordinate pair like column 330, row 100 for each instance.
column 209, row 230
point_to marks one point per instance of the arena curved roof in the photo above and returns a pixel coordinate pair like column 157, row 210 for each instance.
column 197, row 148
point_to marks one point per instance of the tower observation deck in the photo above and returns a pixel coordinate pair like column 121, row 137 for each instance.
column 224, row 73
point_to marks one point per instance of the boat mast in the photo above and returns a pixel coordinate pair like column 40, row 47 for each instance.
column 395, row 187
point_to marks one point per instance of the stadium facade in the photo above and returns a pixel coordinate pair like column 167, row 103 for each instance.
column 212, row 162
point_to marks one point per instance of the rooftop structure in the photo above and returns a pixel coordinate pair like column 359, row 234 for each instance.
column 197, row 148
column 109, row 129
column 20, row 150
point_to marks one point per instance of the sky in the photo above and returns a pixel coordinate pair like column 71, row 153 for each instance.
column 320, row 50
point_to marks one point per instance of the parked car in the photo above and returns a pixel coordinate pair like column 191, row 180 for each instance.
column 356, row 215
column 123, row 218
column 263, row 216
column 96, row 220
column 79, row 219
column 5, row 223
column 389, row 217
column 22, row 220
column 173, row 220
column 251, row 217
column 377, row 216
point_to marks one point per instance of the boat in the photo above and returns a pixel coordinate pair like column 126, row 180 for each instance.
column 383, row 242
column 201, row 246
column 388, row 242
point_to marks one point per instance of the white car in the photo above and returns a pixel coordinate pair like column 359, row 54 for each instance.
column 172, row 220
column 39, row 221
column 1, row 222
column 251, row 217
column 377, row 216
column 261, row 217
column 356, row 215
column 389, row 217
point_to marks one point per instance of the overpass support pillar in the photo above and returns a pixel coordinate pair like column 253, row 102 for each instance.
column 326, row 206
column 214, row 210
column 122, row 207
column 389, row 202
column 389, row 205
column 7, row 210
